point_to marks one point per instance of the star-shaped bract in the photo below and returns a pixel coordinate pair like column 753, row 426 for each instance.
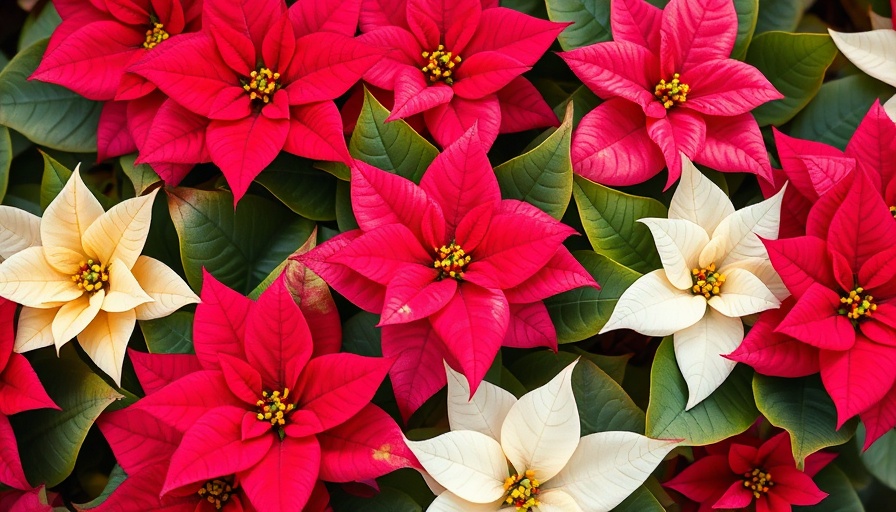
column 260, row 402
column 91, row 51
column 669, row 87
column 20, row 390
column 552, row 467
column 737, row 473
column 846, row 245
column 265, row 76
column 459, row 63
column 78, row 271
column 454, row 271
column 715, row 270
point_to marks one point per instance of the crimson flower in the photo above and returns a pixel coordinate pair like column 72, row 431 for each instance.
column 454, row 271
column 265, row 77
column 256, row 398
column 742, row 471
column 843, row 279
column 670, row 87
column 459, row 63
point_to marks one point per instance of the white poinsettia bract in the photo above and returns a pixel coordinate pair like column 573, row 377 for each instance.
column 873, row 51
column 78, row 272
column 526, row 454
column 715, row 271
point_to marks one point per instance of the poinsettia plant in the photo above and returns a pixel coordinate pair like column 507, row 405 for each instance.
column 407, row 255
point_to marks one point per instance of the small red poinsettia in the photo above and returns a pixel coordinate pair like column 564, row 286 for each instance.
column 459, row 63
column 454, row 271
column 743, row 471
column 257, row 398
column 265, row 77
column 843, row 279
column 90, row 53
column 670, row 87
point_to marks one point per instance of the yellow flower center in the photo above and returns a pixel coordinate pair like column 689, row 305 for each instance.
column 450, row 261
column 261, row 85
column 855, row 305
column 273, row 408
column 521, row 491
column 893, row 211
column 758, row 481
column 707, row 281
column 217, row 491
column 91, row 276
column 154, row 36
column 671, row 93
column 440, row 64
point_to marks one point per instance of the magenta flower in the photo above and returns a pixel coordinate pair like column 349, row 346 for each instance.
column 670, row 87
column 734, row 475
column 459, row 63
column 256, row 399
column 454, row 271
column 265, row 77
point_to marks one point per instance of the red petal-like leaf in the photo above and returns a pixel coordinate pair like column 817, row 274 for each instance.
column 879, row 418
column 814, row 320
column 325, row 66
column 819, row 220
column 414, row 95
column 220, row 322
column 617, row 69
column 380, row 198
column 414, row 294
column 858, row 378
column 313, row 296
column 155, row 371
column 243, row 380
column 11, row 472
column 418, row 371
column 243, row 148
column 187, row 399
column 696, row 32
column 485, row 73
column 863, row 225
column 561, row 273
column 514, row 34
column 175, row 135
column 315, row 131
column 112, row 135
column 795, row 155
column 523, row 108
column 382, row 13
column 450, row 121
column 455, row 21
column 365, row 254
column 530, row 326
column 293, row 464
column 727, row 87
column 366, row 294
column 734, row 144
column 679, row 132
column 637, row 22
column 706, row 480
column 773, row 353
column 339, row 16
column 368, row 445
column 139, row 440
column 874, row 144
column 801, row 262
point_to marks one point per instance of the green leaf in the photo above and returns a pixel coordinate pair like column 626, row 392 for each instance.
column 779, row 15
column 531, row 7
column 642, row 500
column 345, row 216
column 537, row 368
column 116, row 478
column 39, row 24
column 305, row 190
column 51, row 439
column 141, row 175
column 543, row 176
column 48, row 114
column 172, row 334
column 5, row 159
column 54, row 178
column 803, row 408
column 387, row 500
column 582, row 312
column 240, row 248
column 841, row 493
column 880, row 457
column 795, row 64
column 360, row 335
column 603, row 404
column 747, row 14
column 392, row 146
column 590, row 21
column 833, row 115
column 728, row 411
column 609, row 218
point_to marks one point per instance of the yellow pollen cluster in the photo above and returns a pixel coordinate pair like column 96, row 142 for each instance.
column 91, row 276
column 893, row 211
column 440, row 65
column 271, row 407
column 522, row 491
column 856, row 306
column 450, row 261
column 262, row 85
column 155, row 36
column 707, row 281
column 673, row 92
column 758, row 481
column 217, row 492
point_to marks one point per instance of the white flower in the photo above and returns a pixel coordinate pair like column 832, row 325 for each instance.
column 551, row 468
column 729, row 271
column 874, row 52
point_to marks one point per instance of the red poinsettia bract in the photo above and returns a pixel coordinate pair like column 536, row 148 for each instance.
column 459, row 63
column 743, row 470
column 454, row 271
column 669, row 87
column 265, row 77
column 842, row 276
column 259, row 396
column 20, row 390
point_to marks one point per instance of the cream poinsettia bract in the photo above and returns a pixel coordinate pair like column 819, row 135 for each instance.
column 78, row 272
column 715, row 271
column 874, row 52
column 526, row 455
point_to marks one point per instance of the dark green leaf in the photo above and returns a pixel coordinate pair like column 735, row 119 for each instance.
column 5, row 159
column 387, row 500
column 48, row 114
column 40, row 24
column 728, row 411
column 880, row 457
column 115, row 479
column 747, row 13
column 609, row 218
column 642, row 500
column 590, row 21
column 841, row 493
column 305, row 190
column 780, row 15
column 361, row 336
column 141, row 175
column 603, row 404
column 172, row 334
